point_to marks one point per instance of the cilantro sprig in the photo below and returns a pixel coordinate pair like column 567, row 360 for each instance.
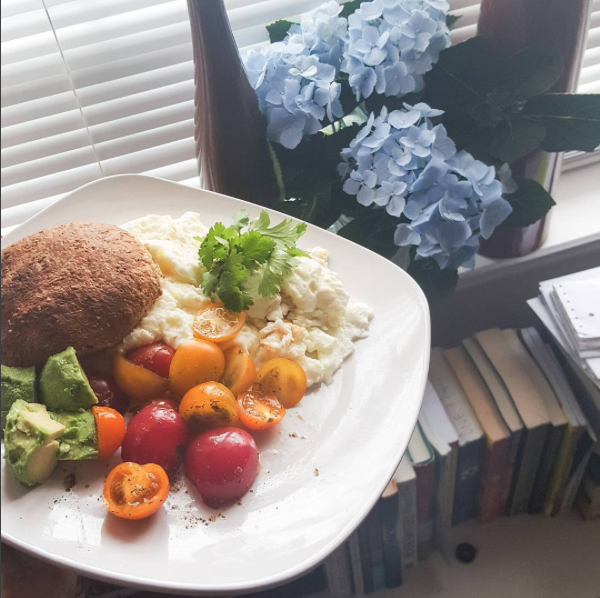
column 244, row 263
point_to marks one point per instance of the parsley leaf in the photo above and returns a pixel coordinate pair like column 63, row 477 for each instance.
column 240, row 265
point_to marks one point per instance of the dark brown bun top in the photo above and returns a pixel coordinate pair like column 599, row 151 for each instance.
column 84, row 285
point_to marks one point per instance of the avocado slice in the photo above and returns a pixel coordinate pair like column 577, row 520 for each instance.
column 31, row 443
column 80, row 439
column 64, row 385
column 16, row 383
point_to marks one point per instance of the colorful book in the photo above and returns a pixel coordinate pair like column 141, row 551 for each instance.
column 370, row 536
column 497, row 434
column 389, row 507
column 406, row 482
column 531, row 408
column 422, row 459
column 338, row 572
column 443, row 439
column 507, row 410
column 578, row 439
column 471, row 443
column 558, row 421
column 358, row 581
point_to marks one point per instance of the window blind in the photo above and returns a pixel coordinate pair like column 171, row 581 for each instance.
column 92, row 88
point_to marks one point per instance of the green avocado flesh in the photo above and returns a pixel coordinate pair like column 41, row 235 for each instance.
column 30, row 441
column 80, row 439
column 64, row 385
column 16, row 383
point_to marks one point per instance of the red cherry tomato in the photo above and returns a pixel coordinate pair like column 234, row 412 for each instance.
column 156, row 434
column 155, row 357
column 163, row 402
column 222, row 464
column 108, row 393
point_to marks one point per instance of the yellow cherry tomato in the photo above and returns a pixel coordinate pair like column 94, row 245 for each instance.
column 239, row 373
column 195, row 362
column 216, row 323
column 209, row 405
column 136, row 381
column 283, row 378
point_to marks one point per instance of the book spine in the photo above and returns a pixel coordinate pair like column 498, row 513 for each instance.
column 468, row 478
column 338, row 573
column 493, row 474
column 375, row 546
column 366, row 556
column 581, row 461
column 356, row 565
column 425, row 484
column 445, row 474
column 549, row 461
column 392, row 557
column 531, row 455
column 407, row 523
column 561, row 471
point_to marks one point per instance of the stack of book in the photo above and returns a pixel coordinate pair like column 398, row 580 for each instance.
column 501, row 432
column 569, row 309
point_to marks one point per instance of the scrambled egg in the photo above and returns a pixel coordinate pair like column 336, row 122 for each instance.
column 312, row 321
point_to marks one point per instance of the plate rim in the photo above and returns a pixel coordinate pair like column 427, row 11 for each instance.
column 274, row 580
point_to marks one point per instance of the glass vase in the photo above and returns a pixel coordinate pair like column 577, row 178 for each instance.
column 229, row 130
column 509, row 26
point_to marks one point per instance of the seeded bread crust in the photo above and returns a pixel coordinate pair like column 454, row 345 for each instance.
column 84, row 285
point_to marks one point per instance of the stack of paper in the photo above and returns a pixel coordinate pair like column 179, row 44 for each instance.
column 569, row 307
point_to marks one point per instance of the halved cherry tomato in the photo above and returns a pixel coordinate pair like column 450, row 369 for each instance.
column 283, row 378
column 209, row 405
column 138, row 382
column 215, row 323
column 133, row 491
column 110, row 428
column 155, row 357
column 239, row 372
column 259, row 411
column 195, row 362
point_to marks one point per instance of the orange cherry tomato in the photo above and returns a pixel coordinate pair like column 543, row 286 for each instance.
column 209, row 405
column 259, row 411
column 239, row 373
column 110, row 428
column 283, row 378
column 195, row 362
column 215, row 323
column 133, row 491
column 136, row 381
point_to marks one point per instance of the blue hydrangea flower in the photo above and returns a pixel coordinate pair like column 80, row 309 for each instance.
column 295, row 79
column 408, row 165
column 392, row 43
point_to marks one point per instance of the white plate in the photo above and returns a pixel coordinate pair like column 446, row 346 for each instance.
column 315, row 486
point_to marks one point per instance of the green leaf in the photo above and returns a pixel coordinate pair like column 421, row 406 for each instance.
column 373, row 229
column 240, row 219
column 435, row 283
column 284, row 234
column 278, row 30
column 532, row 71
column 464, row 74
column 349, row 7
column 515, row 138
column 572, row 121
column 452, row 21
column 256, row 247
column 529, row 202
column 271, row 274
